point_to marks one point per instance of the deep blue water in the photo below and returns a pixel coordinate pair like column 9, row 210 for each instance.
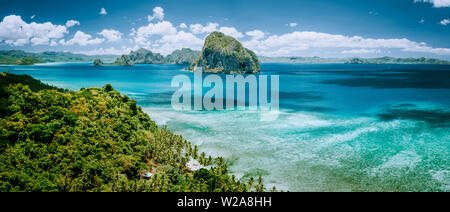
column 341, row 127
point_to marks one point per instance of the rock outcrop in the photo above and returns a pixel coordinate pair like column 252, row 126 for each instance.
column 144, row 56
column 224, row 54
column 184, row 56
column 98, row 62
column 124, row 60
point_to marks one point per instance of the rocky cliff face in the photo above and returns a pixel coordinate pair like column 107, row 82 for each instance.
column 98, row 62
column 144, row 56
column 124, row 60
column 224, row 54
column 184, row 56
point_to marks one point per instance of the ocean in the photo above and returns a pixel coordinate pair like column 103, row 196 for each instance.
column 341, row 127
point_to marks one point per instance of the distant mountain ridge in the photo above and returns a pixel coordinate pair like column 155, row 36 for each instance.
column 355, row 60
column 184, row 56
column 144, row 56
column 11, row 56
column 392, row 60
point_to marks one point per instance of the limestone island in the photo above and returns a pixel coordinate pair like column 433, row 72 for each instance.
column 224, row 54
column 185, row 56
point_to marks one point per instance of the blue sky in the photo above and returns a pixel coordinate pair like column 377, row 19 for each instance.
column 344, row 28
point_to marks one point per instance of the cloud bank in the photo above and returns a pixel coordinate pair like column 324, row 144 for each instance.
column 16, row 32
column 71, row 23
column 82, row 39
column 158, row 13
column 436, row 3
column 294, row 43
column 163, row 36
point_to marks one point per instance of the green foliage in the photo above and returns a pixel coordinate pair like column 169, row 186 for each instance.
column 124, row 60
column 35, row 85
column 11, row 56
column 224, row 54
column 184, row 56
column 7, row 60
column 98, row 62
column 28, row 61
column 94, row 140
column 15, row 60
column 144, row 56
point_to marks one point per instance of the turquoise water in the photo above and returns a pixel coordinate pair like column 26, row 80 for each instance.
column 341, row 127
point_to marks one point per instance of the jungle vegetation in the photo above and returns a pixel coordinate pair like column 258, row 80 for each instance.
column 224, row 54
column 11, row 56
column 96, row 140
column 8, row 60
column 184, row 56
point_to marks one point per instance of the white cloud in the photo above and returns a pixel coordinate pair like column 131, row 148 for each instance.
column 445, row 22
column 163, row 37
column 183, row 26
column 53, row 43
column 32, row 17
column 231, row 31
column 108, row 51
column 16, row 32
column 158, row 13
column 436, row 3
column 292, row 24
column 361, row 51
column 168, row 43
column 111, row 35
column 427, row 49
column 422, row 21
column 200, row 29
column 133, row 32
column 103, row 11
column 142, row 34
column 71, row 23
column 256, row 34
column 82, row 39
column 297, row 42
column 160, row 28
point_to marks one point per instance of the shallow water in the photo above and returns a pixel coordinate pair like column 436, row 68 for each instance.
column 341, row 127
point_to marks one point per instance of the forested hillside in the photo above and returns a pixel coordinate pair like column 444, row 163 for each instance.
column 95, row 139
column 19, row 57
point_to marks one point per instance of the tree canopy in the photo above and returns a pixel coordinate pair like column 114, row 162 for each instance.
column 95, row 139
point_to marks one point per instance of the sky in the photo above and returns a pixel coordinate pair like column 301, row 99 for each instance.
column 324, row 28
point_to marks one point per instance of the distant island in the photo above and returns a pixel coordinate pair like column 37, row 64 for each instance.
column 19, row 57
column 8, row 60
column 220, row 54
column 356, row 60
column 184, row 56
column 225, row 54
